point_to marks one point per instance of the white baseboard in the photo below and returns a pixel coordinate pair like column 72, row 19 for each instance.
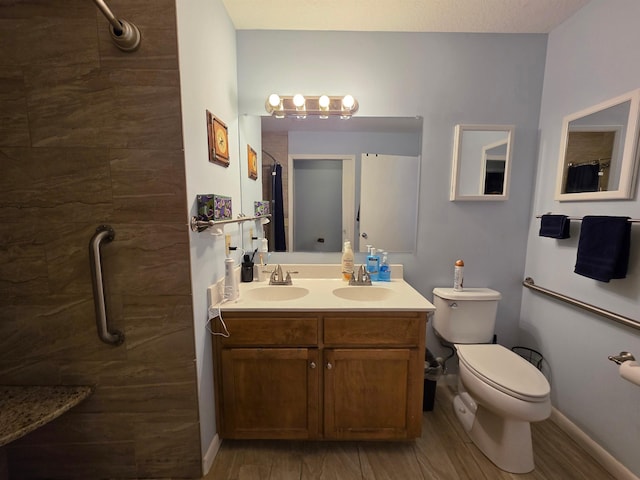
column 210, row 456
column 604, row 458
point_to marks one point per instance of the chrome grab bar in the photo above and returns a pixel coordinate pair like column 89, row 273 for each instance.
column 629, row 322
column 103, row 233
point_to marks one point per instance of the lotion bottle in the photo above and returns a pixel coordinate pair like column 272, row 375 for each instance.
column 347, row 261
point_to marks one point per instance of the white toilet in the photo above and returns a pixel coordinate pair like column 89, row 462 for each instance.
column 500, row 393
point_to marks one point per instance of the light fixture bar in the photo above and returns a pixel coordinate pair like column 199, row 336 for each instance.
column 323, row 106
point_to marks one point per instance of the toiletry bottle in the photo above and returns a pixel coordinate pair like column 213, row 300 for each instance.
column 458, row 271
column 373, row 264
column 230, row 286
column 246, row 273
column 347, row 261
column 384, row 275
column 263, row 249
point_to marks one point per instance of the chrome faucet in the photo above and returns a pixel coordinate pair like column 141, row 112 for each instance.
column 277, row 278
column 361, row 277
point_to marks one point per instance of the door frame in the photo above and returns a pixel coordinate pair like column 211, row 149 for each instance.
column 348, row 192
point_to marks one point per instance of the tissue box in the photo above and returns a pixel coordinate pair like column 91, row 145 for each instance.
column 214, row 207
column 260, row 208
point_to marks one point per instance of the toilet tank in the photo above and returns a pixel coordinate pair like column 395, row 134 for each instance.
column 467, row 316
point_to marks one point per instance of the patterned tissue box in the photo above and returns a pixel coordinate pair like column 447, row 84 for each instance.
column 260, row 208
column 214, row 207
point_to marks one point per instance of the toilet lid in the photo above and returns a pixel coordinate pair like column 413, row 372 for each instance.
column 505, row 370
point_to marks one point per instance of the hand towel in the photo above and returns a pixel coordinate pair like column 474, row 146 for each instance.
column 603, row 248
column 554, row 226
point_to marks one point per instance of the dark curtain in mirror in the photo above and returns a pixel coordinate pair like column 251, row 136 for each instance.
column 493, row 183
column 278, row 211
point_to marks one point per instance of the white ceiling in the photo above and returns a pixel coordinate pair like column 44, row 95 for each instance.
column 497, row 16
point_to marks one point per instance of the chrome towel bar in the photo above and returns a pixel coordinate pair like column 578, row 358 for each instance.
column 629, row 322
column 104, row 233
column 579, row 219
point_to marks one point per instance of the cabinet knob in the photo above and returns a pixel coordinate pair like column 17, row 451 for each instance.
column 312, row 364
column 329, row 366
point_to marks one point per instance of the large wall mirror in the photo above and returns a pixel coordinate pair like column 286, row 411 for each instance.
column 599, row 151
column 481, row 162
column 338, row 179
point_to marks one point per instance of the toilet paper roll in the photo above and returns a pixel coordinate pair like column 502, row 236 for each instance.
column 630, row 371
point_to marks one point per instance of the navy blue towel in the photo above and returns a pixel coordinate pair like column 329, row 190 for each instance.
column 554, row 226
column 603, row 248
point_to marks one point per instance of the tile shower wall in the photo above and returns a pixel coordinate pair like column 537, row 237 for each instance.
column 88, row 136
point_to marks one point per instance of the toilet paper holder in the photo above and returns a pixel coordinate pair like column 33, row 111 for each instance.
column 621, row 358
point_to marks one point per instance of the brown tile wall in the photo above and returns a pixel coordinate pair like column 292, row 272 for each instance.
column 90, row 135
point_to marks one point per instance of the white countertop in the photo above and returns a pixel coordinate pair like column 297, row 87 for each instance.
column 320, row 282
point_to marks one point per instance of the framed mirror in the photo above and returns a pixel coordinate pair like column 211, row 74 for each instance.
column 599, row 151
column 312, row 157
column 481, row 162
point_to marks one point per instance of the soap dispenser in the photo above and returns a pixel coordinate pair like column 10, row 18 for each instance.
column 373, row 264
column 384, row 275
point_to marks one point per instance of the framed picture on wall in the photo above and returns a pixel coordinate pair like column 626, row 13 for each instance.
column 218, row 139
column 253, row 162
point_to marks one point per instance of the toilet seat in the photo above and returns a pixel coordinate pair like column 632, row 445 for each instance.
column 504, row 370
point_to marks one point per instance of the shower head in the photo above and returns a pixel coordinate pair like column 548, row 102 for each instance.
column 124, row 34
column 127, row 38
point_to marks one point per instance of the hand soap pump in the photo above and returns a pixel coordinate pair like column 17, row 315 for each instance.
column 373, row 264
column 384, row 275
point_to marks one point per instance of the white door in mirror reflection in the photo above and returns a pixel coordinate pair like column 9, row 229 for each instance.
column 494, row 160
column 388, row 206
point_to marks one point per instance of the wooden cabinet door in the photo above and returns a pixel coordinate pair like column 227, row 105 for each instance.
column 270, row 393
column 372, row 394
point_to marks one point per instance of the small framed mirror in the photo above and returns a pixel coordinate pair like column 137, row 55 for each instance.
column 481, row 162
column 599, row 151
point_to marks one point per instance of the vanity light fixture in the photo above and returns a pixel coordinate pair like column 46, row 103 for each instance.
column 299, row 106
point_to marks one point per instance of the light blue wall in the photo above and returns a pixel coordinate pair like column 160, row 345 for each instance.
column 591, row 57
column 207, row 85
column 447, row 79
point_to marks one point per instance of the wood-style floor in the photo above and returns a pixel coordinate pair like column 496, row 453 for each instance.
column 443, row 452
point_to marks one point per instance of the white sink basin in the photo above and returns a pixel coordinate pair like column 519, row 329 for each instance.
column 276, row 293
column 363, row 293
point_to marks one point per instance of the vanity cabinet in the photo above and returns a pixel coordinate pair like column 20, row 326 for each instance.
column 333, row 375
column 267, row 377
column 373, row 375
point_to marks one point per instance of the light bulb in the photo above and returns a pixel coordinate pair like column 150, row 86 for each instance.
column 348, row 102
column 274, row 100
column 323, row 102
column 298, row 100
